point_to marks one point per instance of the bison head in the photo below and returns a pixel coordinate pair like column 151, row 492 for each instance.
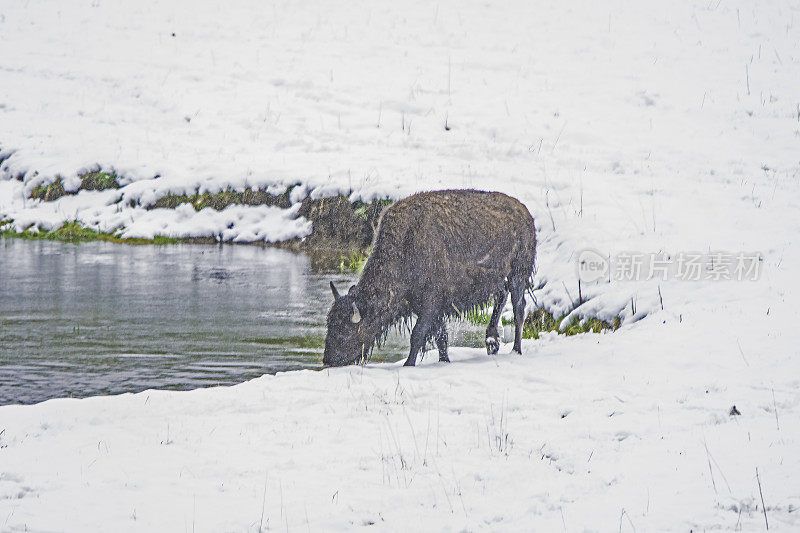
column 345, row 341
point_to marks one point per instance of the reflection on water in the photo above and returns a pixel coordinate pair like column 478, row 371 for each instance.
column 101, row 318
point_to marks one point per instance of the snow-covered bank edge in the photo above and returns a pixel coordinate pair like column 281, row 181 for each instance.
column 276, row 214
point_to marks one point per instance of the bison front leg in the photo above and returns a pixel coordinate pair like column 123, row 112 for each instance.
column 492, row 336
column 419, row 335
column 441, row 343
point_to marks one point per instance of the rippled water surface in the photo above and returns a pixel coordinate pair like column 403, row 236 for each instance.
column 101, row 318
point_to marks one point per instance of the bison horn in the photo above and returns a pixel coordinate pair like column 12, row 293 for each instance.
column 356, row 318
column 334, row 291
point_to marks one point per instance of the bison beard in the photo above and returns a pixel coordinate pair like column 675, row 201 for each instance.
column 436, row 254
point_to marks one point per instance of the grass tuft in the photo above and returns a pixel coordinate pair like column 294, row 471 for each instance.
column 222, row 199
column 49, row 192
column 99, row 181
column 479, row 316
column 72, row 232
column 353, row 262
column 93, row 181
column 542, row 320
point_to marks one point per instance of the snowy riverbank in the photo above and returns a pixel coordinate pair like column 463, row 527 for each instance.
column 631, row 130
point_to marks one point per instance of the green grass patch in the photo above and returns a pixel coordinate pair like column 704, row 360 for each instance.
column 482, row 315
column 353, row 262
column 542, row 320
column 479, row 316
column 73, row 232
column 49, row 192
column 99, row 181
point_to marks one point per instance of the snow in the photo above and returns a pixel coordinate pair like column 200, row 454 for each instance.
column 569, row 435
column 648, row 127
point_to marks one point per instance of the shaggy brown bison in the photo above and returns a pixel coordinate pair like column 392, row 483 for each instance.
column 436, row 254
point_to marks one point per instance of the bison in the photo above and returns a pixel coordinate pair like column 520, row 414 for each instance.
column 436, row 255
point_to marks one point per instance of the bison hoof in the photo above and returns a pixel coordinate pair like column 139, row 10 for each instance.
column 492, row 345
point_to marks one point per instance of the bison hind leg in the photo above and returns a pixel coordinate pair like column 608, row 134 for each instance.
column 518, row 301
column 492, row 335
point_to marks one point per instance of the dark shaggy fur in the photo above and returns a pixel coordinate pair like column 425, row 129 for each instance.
column 436, row 254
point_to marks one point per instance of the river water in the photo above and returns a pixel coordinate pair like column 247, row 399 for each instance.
column 101, row 318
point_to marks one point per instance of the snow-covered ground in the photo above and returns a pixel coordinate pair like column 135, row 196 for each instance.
column 641, row 128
